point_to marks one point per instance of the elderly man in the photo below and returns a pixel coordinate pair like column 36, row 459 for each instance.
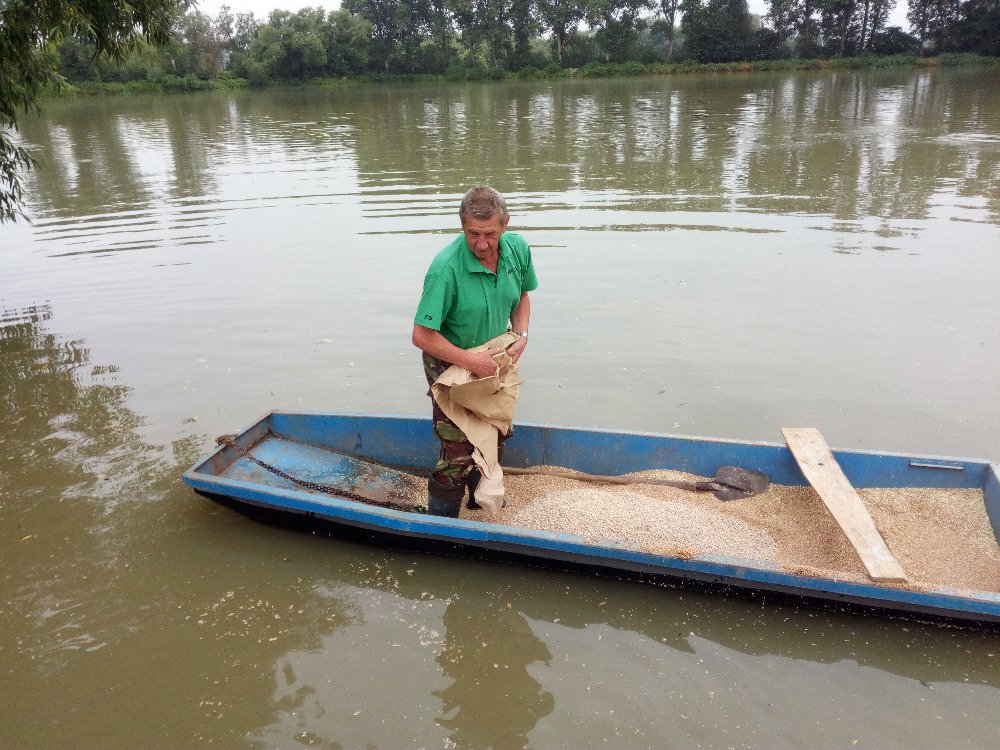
column 475, row 289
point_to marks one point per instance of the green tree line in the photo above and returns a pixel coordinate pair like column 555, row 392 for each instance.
column 839, row 28
column 490, row 38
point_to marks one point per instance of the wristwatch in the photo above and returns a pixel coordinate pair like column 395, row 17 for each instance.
column 522, row 334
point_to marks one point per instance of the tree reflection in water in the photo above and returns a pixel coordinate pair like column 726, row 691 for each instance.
column 119, row 587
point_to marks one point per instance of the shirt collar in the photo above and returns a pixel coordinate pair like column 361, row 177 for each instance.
column 472, row 264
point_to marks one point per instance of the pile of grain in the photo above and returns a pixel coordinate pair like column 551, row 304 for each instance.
column 647, row 523
column 941, row 537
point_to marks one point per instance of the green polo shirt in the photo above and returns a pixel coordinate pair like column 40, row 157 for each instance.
column 469, row 304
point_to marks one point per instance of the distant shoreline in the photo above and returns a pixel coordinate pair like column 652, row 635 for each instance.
column 188, row 83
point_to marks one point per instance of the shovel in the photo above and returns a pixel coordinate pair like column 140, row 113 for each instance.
column 730, row 482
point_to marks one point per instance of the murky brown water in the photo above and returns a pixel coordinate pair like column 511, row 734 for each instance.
column 717, row 256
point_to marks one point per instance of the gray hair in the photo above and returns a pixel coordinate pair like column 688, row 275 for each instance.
column 483, row 203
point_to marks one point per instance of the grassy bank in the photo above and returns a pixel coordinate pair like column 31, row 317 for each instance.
column 153, row 85
column 174, row 84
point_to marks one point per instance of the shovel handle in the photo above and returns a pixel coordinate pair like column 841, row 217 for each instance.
column 697, row 486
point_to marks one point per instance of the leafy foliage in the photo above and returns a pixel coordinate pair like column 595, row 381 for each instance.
column 831, row 28
column 30, row 35
column 894, row 41
column 716, row 31
column 971, row 26
column 979, row 28
column 14, row 160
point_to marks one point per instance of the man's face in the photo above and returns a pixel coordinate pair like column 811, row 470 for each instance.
column 483, row 235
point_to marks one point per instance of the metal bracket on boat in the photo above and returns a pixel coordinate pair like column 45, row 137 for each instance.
column 929, row 465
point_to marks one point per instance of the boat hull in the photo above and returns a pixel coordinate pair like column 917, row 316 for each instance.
column 230, row 478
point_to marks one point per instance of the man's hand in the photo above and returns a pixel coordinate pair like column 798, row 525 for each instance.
column 482, row 365
column 515, row 349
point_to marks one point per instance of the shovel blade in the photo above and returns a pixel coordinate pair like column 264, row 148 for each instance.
column 731, row 493
column 735, row 483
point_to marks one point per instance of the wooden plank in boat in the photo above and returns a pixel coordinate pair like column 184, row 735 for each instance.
column 825, row 475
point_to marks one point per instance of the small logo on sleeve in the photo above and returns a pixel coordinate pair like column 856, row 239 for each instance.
column 428, row 317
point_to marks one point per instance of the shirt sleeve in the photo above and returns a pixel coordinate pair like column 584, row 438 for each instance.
column 522, row 255
column 434, row 301
column 529, row 282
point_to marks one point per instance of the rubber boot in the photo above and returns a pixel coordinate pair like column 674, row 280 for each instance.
column 472, row 482
column 444, row 499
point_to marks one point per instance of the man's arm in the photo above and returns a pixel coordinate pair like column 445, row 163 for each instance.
column 481, row 365
column 519, row 322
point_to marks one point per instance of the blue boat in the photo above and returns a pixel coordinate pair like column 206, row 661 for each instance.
column 365, row 456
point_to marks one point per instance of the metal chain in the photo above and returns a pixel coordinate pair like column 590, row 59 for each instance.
column 327, row 489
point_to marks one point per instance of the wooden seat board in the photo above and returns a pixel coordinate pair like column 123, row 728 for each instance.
column 821, row 469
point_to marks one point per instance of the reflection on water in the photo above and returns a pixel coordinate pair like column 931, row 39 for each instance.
column 112, row 593
column 123, row 590
column 64, row 461
column 492, row 701
column 869, row 151
column 527, row 658
column 514, row 658
column 794, row 248
column 137, row 178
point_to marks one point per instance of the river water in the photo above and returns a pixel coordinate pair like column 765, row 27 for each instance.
column 717, row 255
